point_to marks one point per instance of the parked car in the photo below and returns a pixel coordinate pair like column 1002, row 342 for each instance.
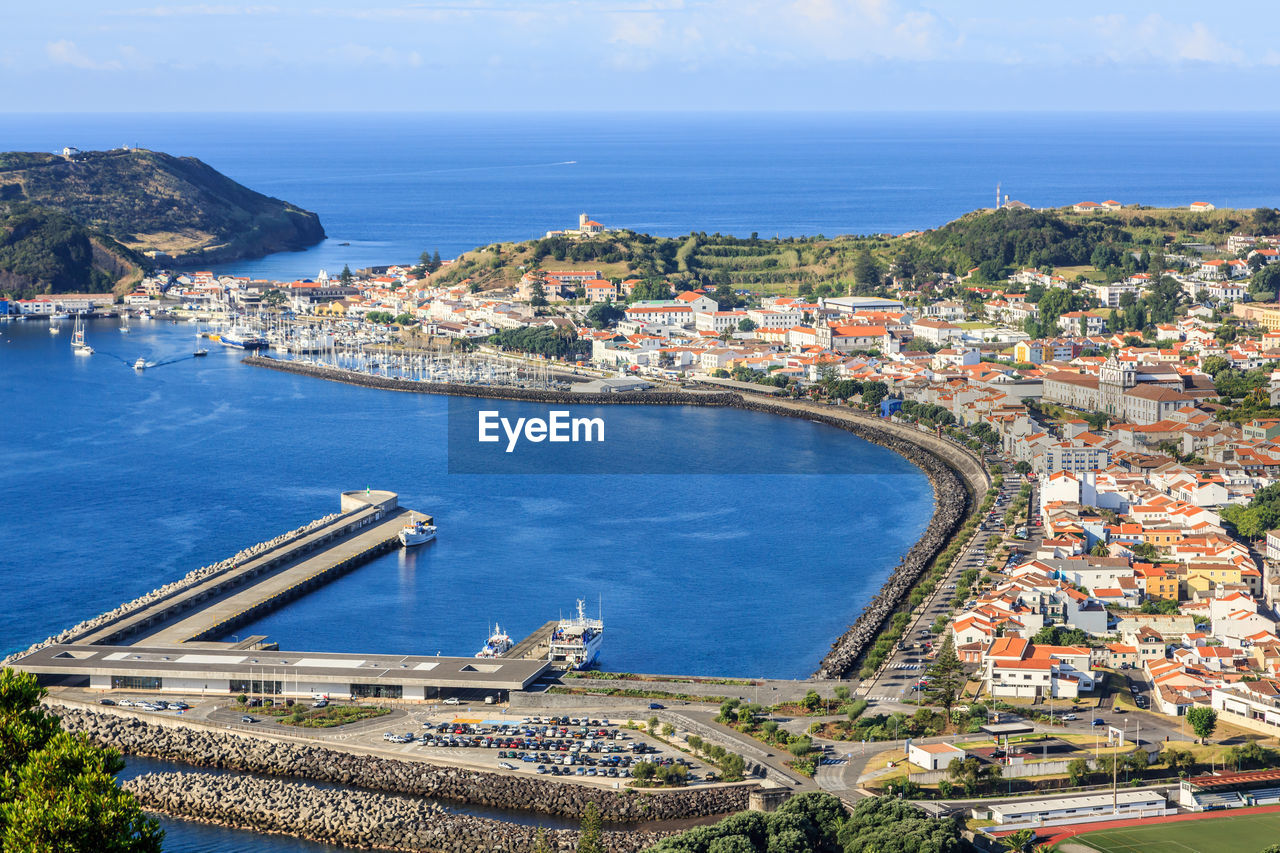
column 506, row 765
column 656, row 706
column 1068, row 717
column 453, row 700
column 1098, row 721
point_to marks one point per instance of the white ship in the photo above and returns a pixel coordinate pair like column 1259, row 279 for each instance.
column 416, row 533
column 498, row 645
column 78, row 346
column 242, row 337
column 140, row 364
column 576, row 641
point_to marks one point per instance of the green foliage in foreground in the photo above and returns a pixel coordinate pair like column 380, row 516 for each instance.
column 58, row 790
column 819, row 823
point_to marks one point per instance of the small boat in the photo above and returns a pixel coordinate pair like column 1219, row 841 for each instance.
column 140, row 364
column 78, row 346
column 200, row 353
column 60, row 315
column 416, row 533
column 144, row 315
column 499, row 644
column 53, row 330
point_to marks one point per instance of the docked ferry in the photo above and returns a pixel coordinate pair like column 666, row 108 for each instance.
column 498, row 645
column 241, row 337
column 576, row 641
column 416, row 533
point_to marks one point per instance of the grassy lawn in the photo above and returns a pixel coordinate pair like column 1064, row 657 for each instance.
column 1070, row 273
column 321, row 718
column 1248, row 833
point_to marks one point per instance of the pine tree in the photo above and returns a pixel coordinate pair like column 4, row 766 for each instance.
column 590, row 839
column 346, row 277
column 435, row 260
column 540, row 844
column 946, row 677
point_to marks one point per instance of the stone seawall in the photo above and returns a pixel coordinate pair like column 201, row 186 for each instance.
column 251, row 754
column 359, row 819
column 958, row 477
column 191, row 578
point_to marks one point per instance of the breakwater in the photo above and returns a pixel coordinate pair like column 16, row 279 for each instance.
column 360, row 819
column 174, row 741
column 159, row 594
column 957, row 476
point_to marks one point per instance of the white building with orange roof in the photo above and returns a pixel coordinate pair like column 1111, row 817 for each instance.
column 697, row 301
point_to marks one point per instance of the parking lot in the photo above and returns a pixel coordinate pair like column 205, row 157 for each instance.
column 590, row 749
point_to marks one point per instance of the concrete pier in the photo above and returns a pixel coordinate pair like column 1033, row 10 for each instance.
column 536, row 646
column 367, row 527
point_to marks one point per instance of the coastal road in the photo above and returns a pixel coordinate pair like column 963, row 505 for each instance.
column 896, row 679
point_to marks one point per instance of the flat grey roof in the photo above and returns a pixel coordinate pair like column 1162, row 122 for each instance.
column 330, row 667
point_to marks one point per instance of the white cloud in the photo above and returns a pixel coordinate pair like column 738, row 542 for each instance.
column 65, row 52
column 360, row 54
column 201, row 10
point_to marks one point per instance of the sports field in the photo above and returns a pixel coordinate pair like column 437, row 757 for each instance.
column 1248, row 833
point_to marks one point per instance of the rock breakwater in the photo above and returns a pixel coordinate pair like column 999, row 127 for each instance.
column 250, row 754
column 358, row 819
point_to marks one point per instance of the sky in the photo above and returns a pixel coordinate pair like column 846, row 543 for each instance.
column 596, row 55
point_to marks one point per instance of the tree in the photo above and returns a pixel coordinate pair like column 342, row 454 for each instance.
column 1203, row 720
column 1022, row 467
column 537, row 294
column 653, row 725
column 643, row 771
column 602, row 315
column 274, row 298
column 746, row 324
column 57, row 790
column 346, row 277
column 1020, row 840
column 590, row 839
column 866, row 273
column 946, row 677
column 1077, row 771
column 1178, row 759
column 801, row 746
column 540, row 844
column 972, row 774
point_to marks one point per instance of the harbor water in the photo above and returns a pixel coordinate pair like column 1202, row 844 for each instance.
column 125, row 480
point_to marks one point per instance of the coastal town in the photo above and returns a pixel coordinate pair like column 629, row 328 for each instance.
column 1122, row 582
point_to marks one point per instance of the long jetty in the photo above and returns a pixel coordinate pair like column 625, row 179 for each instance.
column 224, row 600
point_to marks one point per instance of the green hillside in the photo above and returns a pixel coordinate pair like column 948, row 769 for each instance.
column 1100, row 246
column 44, row 251
column 154, row 202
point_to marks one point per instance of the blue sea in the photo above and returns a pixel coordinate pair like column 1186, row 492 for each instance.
column 393, row 185
column 119, row 481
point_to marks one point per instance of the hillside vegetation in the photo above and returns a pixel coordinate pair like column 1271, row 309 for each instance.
column 994, row 242
column 154, row 202
column 44, row 251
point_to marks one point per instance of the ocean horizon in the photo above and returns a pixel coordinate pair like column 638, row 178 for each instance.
column 388, row 186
